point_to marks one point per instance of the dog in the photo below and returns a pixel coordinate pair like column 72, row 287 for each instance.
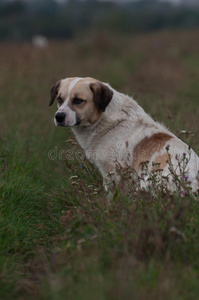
column 117, row 134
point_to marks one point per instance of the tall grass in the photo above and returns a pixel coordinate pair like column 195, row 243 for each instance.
column 58, row 238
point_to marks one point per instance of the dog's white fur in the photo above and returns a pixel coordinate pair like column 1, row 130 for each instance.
column 121, row 130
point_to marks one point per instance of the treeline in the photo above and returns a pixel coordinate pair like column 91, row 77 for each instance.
column 20, row 20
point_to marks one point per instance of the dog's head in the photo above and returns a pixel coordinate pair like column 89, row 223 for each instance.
column 81, row 101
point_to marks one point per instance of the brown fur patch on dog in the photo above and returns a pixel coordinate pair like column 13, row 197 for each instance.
column 160, row 161
column 147, row 147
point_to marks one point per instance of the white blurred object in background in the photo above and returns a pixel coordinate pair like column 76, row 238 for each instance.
column 39, row 41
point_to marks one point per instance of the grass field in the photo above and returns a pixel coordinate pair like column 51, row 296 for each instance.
column 58, row 238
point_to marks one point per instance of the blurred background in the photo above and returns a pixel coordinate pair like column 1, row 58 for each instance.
column 21, row 20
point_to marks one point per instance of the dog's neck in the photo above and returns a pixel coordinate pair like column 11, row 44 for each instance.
column 121, row 109
column 124, row 105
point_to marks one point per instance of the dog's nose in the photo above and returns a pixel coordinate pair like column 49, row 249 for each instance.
column 60, row 117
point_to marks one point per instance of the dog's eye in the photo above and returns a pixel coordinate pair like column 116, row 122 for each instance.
column 60, row 100
column 78, row 101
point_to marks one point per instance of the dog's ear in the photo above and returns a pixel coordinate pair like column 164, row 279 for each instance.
column 102, row 95
column 54, row 92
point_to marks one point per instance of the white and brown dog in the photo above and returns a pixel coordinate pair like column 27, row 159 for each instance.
column 114, row 130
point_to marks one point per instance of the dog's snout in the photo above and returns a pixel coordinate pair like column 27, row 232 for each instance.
column 60, row 117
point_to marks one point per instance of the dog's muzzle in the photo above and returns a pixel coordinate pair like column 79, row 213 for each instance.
column 60, row 118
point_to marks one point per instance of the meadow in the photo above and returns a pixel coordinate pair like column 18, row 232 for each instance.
column 58, row 238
